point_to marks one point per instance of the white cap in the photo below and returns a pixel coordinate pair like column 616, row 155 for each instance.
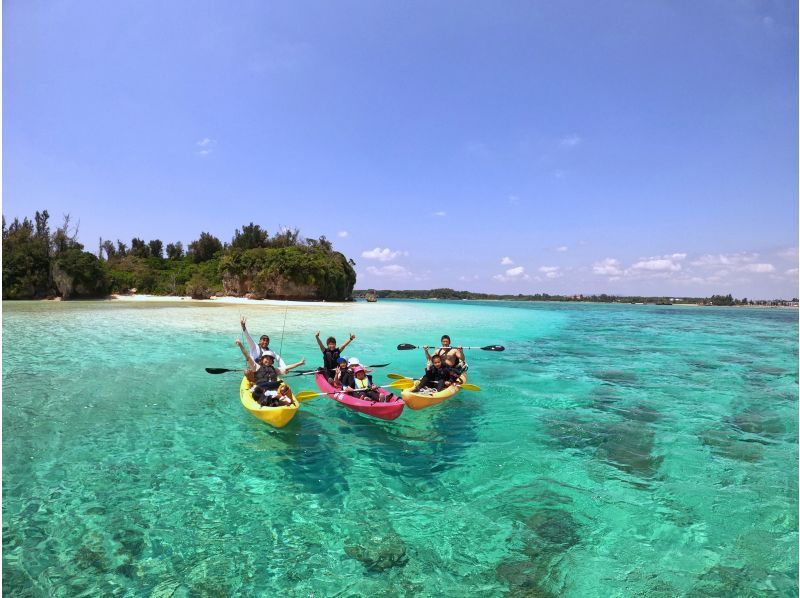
column 353, row 361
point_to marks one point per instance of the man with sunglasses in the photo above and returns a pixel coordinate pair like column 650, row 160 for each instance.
column 257, row 350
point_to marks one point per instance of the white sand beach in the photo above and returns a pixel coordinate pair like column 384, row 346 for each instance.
column 227, row 299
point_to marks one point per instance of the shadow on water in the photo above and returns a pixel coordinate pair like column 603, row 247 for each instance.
column 307, row 452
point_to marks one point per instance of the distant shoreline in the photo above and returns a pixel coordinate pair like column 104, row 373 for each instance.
column 232, row 300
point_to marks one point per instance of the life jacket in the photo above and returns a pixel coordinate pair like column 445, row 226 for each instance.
column 266, row 374
column 361, row 384
column 434, row 373
column 329, row 359
column 346, row 377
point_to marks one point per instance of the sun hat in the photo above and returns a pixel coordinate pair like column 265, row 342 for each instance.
column 268, row 354
column 341, row 360
column 359, row 368
column 353, row 361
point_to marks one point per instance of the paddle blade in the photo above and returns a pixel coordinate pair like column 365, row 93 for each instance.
column 493, row 348
column 220, row 370
column 405, row 347
column 397, row 377
column 468, row 386
column 378, row 365
column 402, row 384
column 307, row 395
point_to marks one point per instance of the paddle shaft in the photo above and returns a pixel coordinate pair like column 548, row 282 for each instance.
column 409, row 347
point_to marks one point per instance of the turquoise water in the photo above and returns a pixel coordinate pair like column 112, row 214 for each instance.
column 613, row 451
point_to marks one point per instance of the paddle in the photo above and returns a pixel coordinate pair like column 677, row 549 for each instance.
column 310, row 372
column 407, row 347
column 221, row 370
column 307, row 395
column 465, row 386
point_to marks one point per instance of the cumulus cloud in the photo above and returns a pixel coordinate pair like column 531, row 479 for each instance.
column 382, row 255
column 562, row 248
column 759, row 268
column 551, row 271
column 506, row 261
column 512, row 274
column 657, row 264
column 725, row 259
column 570, row 141
column 607, row 267
column 791, row 272
column 390, row 271
column 205, row 146
column 440, row 213
column 342, row 234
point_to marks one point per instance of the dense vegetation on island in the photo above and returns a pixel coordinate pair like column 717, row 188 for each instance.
column 602, row 298
column 40, row 263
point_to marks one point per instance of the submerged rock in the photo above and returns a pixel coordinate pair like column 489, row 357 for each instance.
column 377, row 548
column 615, row 376
column 628, row 447
column 724, row 444
column 764, row 423
column 525, row 578
column 555, row 527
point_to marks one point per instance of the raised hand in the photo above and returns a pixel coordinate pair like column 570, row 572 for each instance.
column 243, row 322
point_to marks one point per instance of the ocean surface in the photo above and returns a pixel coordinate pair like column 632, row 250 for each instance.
column 614, row 450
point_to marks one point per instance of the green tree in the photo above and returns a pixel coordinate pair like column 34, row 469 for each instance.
column 139, row 248
column 156, row 248
column 175, row 251
column 252, row 236
column 204, row 248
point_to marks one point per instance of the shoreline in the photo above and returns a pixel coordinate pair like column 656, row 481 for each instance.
column 227, row 299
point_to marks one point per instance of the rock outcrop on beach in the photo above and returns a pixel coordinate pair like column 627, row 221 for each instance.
column 293, row 273
column 78, row 274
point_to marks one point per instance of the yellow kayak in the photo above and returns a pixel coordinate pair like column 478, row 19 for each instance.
column 274, row 416
column 421, row 401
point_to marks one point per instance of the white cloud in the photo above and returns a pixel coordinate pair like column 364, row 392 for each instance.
column 560, row 174
column 759, row 268
column 512, row 274
column 562, row 248
column 725, row 259
column 440, row 213
column 570, row 141
column 791, row 272
column 205, row 146
column 506, row 261
column 391, row 271
column 656, row 264
column 790, row 253
column 513, row 200
column 551, row 271
column 342, row 234
column 469, row 278
column 382, row 255
column 607, row 267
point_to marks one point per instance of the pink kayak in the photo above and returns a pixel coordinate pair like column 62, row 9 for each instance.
column 391, row 410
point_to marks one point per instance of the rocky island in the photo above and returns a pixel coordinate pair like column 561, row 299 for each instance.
column 40, row 264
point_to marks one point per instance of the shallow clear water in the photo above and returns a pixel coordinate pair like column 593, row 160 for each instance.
column 614, row 451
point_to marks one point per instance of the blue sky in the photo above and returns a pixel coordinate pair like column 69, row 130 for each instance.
column 561, row 147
